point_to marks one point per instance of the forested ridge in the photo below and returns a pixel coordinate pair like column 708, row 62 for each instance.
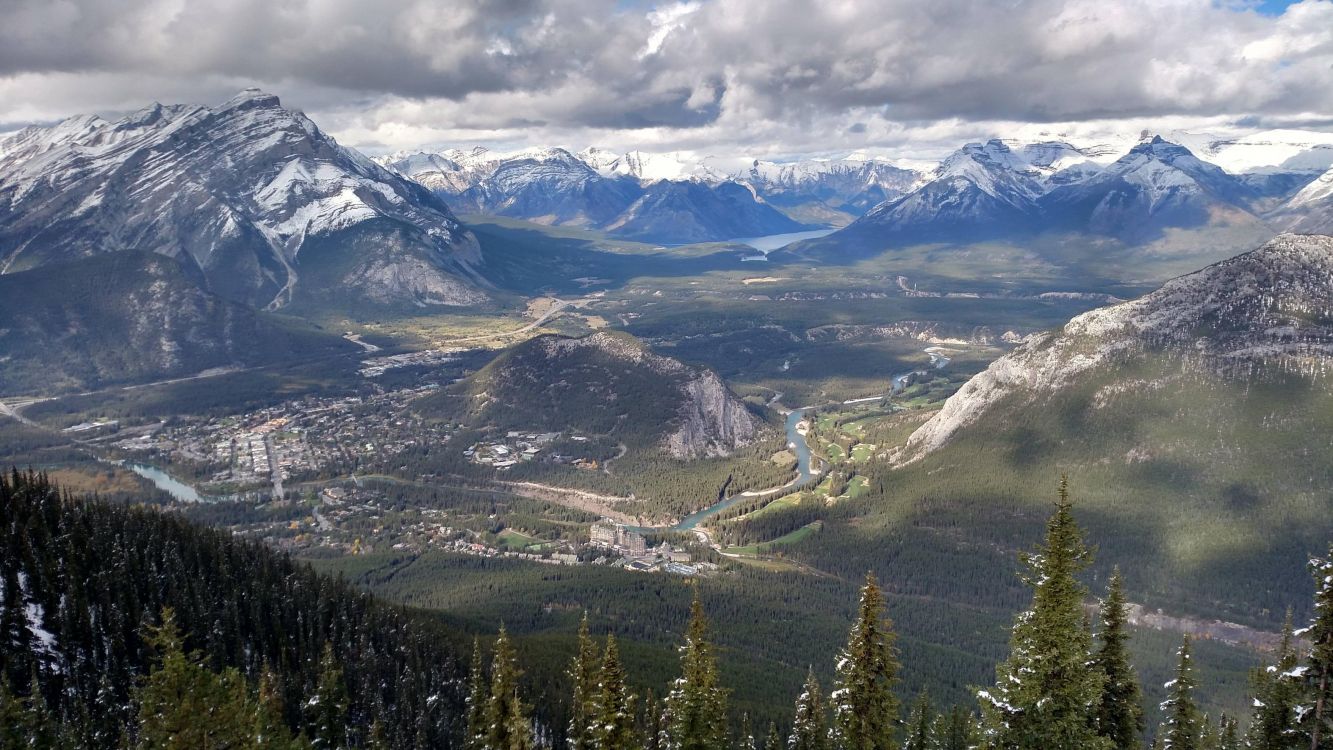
column 86, row 583
column 130, row 627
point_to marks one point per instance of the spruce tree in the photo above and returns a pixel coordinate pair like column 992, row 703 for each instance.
column 1315, row 722
column 774, row 740
column 478, row 697
column 326, row 710
column 613, row 720
column 1229, row 738
column 920, row 724
column 747, row 741
column 1047, row 692
column 583, row 678
column 697, row 704
column 956, row 729
column 1182, row 728
column 864, row 706
column 1276, row 695
column 809, row 729
column 1120, row 713
column 507, row 726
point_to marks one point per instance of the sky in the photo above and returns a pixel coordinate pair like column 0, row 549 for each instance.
column 774, row 79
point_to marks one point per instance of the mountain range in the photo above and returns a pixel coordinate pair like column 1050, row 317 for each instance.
column 1002, row 190
column 256, row 203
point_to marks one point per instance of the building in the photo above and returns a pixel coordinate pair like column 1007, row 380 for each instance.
column 619, row 537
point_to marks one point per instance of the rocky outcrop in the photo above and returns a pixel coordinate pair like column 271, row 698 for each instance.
column 1272, row 306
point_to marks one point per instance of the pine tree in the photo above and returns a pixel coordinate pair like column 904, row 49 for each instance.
column 478, row 698
column 613, row 725
column 774, row 740
column 1276, row 694
column 809, row 729
column 1047, row 692
column 1183, row 727
column 268, row 729
column 583, row 677
column 747, row 741
column 920, row 724
column 956, row 729
column 326, row 710
column 1229, row 738
column 507, row 726
column 1120, row 713
column 697, row 704
column 1315, row 720
column 864, row 706
column 181, row 704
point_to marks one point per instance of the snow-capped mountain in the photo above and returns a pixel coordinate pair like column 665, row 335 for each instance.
column 1310, row 209
column 622, row 195
column 981, row 189
column 1002, row 189
column 1156, row 184
column 1269, row 308
column 254, row 200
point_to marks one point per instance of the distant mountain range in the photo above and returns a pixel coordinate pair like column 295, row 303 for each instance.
column 999, row 190
column 256, row 203
column 591, row 190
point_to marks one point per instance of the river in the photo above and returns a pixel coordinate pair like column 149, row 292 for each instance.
column 797, row 443
column 167, row 483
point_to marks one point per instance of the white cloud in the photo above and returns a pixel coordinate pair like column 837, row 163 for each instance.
column 769, row 77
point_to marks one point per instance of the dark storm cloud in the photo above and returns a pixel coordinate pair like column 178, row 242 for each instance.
column 733, row 65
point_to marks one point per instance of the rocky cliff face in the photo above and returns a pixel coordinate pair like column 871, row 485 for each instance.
column 612, row 384
column 255, row 202
column 1272, row 307
column 128, row 317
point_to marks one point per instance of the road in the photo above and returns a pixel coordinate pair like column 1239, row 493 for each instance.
column 557, row 308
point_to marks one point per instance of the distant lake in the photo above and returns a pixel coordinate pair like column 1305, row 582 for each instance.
column 770, row 242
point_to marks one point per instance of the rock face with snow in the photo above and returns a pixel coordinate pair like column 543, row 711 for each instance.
column 623, row 195
column 255, row 202
column 610, row 383
column 1001, row 190
column 1310, row 209
column 1269, row 308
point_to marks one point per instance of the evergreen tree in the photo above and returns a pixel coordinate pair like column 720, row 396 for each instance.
column 864, row 706
column 583, row 677
column 920, row 724
column 326, row 710
column 1047, row 692
column 478, row 697
column 1120, row 713
column 1276, row 695
column 774, row 740
column 697, row 705
column 182, row 705
column 613, row 720
column 507, row 726
column 809, row 729
column 1229, row 738
column 1183, row 727
column 747, row 741
column 268, row 728
column 956, row 729
column 1315, row 720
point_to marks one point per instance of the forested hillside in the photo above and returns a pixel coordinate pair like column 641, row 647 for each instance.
column 86, row 585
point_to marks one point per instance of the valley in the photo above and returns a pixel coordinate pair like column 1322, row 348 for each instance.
column 519, row 387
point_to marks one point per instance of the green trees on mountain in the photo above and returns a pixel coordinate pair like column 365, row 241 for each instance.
column 214, row 647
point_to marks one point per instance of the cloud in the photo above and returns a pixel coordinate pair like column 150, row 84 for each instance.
column 778, row 75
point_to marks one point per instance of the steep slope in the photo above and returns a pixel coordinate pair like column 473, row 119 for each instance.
column 90, row 575
column 1156, row 185
column 621, row 195
column 1267, row 312
column 981, row 190
column 129, row 317
column 610, row 384
column 253, row 199
column 1310, row 209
